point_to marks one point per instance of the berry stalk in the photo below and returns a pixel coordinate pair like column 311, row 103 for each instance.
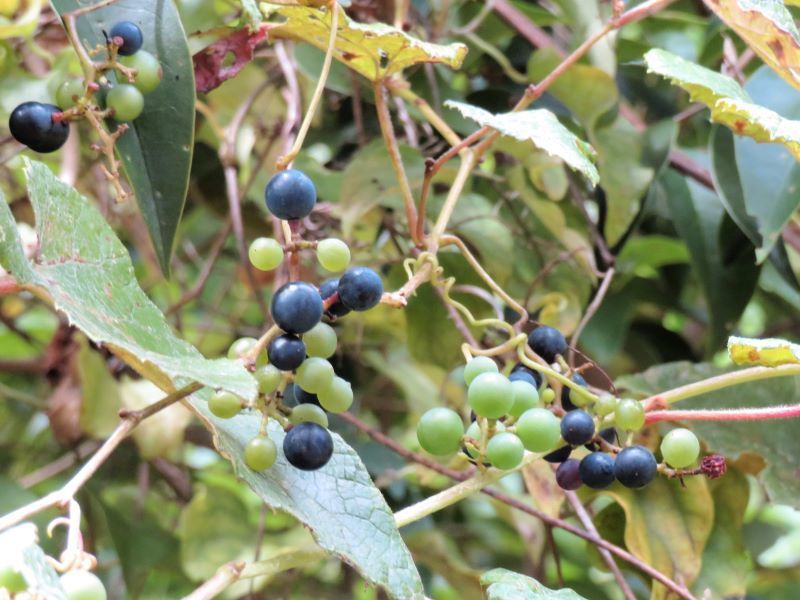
column 733, row 414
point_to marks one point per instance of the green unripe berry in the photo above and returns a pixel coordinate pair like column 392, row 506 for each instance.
column 337, row 397
column 69, row 92
column 126, row 101
column 148, row 70
column 243, row 346
column 629, row 415
column 224, row 405
column 314, row 375
column 268, row 378
column 308, row 413
column 539, row 429
column 547, row 396
column 490, row 395
column 333, row 255
column 505, row 450
column 525, row 396
column 478, row 365
column 82, row 585
column 320, row 340
column 265, row 254
column 11, row 579
column 439, row 431
column 260, row 454
column 605, row 405
column 680, row 448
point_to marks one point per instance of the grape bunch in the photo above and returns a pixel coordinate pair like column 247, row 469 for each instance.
column 296, row 382
column 518, row 412
column 44, row 127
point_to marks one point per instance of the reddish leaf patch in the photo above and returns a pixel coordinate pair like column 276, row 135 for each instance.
column 210, row 69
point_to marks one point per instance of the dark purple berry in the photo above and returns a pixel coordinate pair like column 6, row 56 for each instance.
column 568, row 475
column 286, row 352
column 635, row 467
column 131, row 37
column 547, row 342
column 32, row 124
column 308, row 446
column 597, row 470
column 296, row 307
column 290, row 195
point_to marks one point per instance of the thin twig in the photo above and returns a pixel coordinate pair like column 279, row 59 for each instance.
column 226, row 575
column 591, row 310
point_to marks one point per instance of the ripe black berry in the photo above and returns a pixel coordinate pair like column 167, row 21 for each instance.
column 559, row 455
column 522, row 373
column 547, row 342
column 597, row 470
column 360, row 288
column 290, row 194
column 308, row 446
column 328, row 288
column 131, row 37
column 293, row 395
column 566, row 403
column 635, row 467
column 32, row 124
column 568, row 475
column 577, row 427
column 296, row 307
column 286, row 352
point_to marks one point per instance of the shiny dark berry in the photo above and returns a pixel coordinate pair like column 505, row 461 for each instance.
column 32, row 124
column 286, row 352
column 523, row 373
column 577, row 427
column 131, row 37
column 568, row 475
column 566, row 403
column 597, row 470
column 558, row 455
column 290, row 194
column 328, row 288
column 296, row 307
column 308, row 446
column 547, row 342
column 360, row 288
column 635, row 467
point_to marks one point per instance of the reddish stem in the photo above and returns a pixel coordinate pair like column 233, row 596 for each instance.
column 736, row 414
column 8, row 285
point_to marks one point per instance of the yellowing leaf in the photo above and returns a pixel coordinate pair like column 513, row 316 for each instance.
column 540, row 127
column 374, row 50
column 730, row 105
column 768, row 28
column 768, row 353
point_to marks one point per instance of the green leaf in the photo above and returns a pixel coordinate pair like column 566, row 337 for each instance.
column 540, row 127
column 769, row 29
column 156, row 151
column 250, row 10
column 502, row 584
column 667, row 526
column 773, row 440
column 19, row 547
column 722, row 257
column 374, row 50
column 346, row 513
column 758, row 183
column 730, row 105
column 725, row 560
column 88, row 274
column 100, row 402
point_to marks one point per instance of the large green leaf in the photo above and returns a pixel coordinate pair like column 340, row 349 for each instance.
column 759, row 183
column 542, row 128
column 156, row 151
column 374, row 50
column 667, row 526
column 769, row 29
column 722, row 256
column 773, row 440
column 730, row 105
column 87, row 272
column 19, row 548
column 502, row 584
column 725, row 560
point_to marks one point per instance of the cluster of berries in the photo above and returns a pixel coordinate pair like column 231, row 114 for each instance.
column 295, row 378
column 45, row 127
column 518, row 412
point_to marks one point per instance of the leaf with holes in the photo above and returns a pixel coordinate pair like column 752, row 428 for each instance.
column 87, row 273
column 730, row 104
column 156, row 151
column 542, row 128
column 374, row 50
column 502, row 584
column 768, row 28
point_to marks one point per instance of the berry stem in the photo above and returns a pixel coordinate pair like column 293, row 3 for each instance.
column 733, row 414
column 712, row 384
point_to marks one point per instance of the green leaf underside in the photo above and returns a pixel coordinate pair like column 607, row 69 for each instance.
column 86, row 270
column 773, row 440
column 502, row 584
column 156, row 151
column 730, row 105
column 19, row 547
column 374, row 50
column 543, row 129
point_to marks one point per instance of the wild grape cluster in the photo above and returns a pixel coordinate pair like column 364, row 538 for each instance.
column 296, row 382
column 45, row 127
column 518, row 412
